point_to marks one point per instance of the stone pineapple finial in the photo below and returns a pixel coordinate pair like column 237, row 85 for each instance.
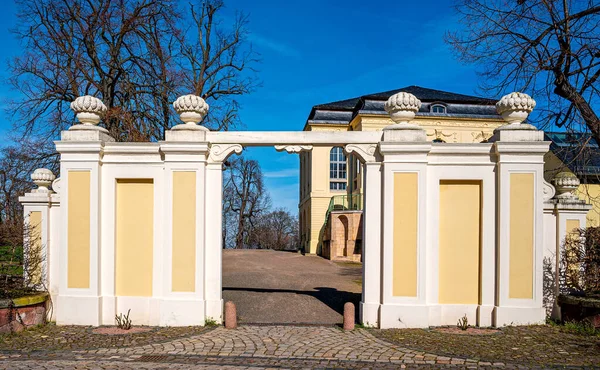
column 88, row 109
column 42, row 177
column 402, row 107
column 191, row 109
column 565, row 183
column 515, row 107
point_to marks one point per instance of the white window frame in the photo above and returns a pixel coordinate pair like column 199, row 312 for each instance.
column 433, row 106
column 338, row 169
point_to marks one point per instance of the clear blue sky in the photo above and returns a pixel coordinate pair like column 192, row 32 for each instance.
column 318, row 51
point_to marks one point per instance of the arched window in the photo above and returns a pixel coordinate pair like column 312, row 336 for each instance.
column 438, row 108
column 337, row 169
column 438, row 140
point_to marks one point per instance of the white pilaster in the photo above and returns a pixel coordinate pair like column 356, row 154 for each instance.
column 213, row 251
column 183, row 308
column 371, row 242
column 519, row 150
column 80, row 151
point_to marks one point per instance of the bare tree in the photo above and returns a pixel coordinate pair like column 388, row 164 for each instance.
column 276, row 230
column 548, row 48
column 216, row 65
column 245, row 197
column 137, row 56
column 17, row 163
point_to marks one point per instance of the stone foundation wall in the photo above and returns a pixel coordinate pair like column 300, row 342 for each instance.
column 20, row 313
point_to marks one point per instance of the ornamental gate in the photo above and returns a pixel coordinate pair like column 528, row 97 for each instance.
column 449, row 229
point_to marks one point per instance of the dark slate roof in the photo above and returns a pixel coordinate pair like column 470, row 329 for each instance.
column 579, row 152
column 459, row 105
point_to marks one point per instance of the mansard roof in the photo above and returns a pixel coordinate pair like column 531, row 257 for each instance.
column 579, row 152
column 457, row 105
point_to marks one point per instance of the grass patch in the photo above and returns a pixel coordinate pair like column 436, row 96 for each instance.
column 580, row 328
column 11, row 260
column 210, row 322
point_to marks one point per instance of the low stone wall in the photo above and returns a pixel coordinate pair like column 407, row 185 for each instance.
column 580, row 309
column 19, row 313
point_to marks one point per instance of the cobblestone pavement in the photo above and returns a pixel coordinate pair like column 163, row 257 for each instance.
column 304, row 347
column 251, row 347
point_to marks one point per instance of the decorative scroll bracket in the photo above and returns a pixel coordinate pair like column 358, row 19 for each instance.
column 219, row 152
column 366, row 152
column 549, row 191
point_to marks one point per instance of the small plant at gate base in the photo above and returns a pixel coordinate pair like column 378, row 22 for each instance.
column 123, row 322
column 463, row 323
column 209, row 321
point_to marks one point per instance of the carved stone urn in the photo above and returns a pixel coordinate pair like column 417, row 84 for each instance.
column 191, row 109
column 42, row 177
column 515, row 107
column 89, row 110
column 402, row 107
column 565, row 183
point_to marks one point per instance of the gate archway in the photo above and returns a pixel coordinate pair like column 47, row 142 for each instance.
column 113, row 238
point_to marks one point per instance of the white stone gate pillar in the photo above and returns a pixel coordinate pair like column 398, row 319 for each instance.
column 520, row 153
column 404, row 149
column 371, row 240
column 41, row 221
column 185, row 151
column 570, row 214
column 213, row 242
column 81, row 149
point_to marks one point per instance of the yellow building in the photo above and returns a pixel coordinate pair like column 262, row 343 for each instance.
column 329, row 180
column 578, row 154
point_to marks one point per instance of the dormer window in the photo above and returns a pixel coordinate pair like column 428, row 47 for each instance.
column 438, row 108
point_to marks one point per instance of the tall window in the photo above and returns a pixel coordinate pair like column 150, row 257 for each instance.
column 337, row 169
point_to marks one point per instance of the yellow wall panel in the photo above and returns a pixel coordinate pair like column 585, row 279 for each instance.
column 572, row 227
column 521, row 229
column 78, row 230
column 406, row 194
column 184, row 231
column 35, row 246
column 591, row 194
column 459, row 242
column 134, row 237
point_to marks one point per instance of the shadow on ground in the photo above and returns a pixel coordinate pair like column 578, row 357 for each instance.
column 332, row 297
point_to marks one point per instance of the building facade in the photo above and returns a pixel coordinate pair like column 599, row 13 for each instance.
column 330, row 181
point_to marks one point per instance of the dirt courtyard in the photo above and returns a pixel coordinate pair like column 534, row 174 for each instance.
column 283, row 287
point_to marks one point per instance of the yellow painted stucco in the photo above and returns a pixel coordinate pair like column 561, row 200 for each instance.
column 405, row 236
column 459, row 241
column 315, row 203
column 78, row 229
column 591, row 194
column 134, row 237
column 318, row 197
column 184, row 231
column 572, row 227
column 449, row 129
column 521, row 230
column 35, row 246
